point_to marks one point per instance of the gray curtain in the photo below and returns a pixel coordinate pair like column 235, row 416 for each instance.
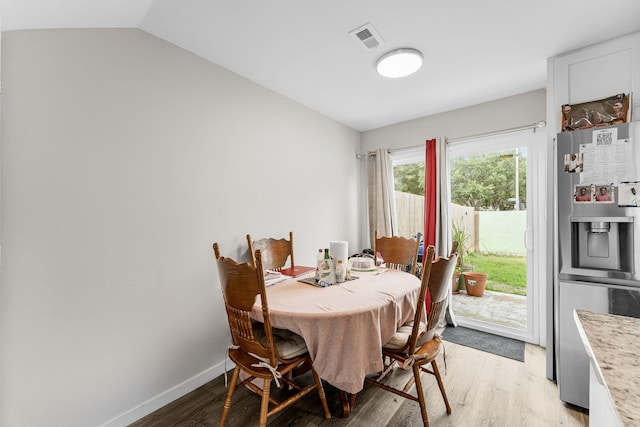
column 443, row 220
column 443, row 217
column 381, row 195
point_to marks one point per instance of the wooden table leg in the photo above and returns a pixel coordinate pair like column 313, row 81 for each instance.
column 346, row 404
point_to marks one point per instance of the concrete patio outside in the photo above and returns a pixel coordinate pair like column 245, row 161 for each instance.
column 495, row 307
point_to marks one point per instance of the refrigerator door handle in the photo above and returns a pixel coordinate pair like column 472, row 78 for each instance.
column 526, row 240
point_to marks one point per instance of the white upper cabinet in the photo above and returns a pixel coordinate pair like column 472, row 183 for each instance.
column 592, row 73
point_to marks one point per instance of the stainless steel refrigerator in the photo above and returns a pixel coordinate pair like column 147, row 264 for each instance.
column 598, row 241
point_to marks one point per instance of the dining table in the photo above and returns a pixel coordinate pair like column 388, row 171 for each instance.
column 344, row 325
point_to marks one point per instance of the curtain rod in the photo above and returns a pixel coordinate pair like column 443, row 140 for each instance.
column 397, row 150
column 534, row 126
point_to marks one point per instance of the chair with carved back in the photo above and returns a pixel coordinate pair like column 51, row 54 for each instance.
column 397, row 252
column 262, row 352
column 274, row 251
column 416, row 344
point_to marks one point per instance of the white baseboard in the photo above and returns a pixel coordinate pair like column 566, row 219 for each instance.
column 166, row 397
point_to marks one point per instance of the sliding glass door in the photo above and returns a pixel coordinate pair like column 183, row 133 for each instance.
column 493, row 205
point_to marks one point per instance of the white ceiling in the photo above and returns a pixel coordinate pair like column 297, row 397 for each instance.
column 475, row 51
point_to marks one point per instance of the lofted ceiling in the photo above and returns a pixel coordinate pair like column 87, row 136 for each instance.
column 475, row 51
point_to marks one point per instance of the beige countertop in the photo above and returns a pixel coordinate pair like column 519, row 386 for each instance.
column 613, row 342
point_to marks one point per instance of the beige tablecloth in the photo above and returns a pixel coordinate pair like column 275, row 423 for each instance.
column 344, row 325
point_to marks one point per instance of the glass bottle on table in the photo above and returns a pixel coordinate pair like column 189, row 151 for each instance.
column 326, row 262
column 327, row 272
column 319, row 261
column 339, row 271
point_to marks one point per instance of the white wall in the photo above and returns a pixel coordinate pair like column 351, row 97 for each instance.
column 123, row 159
column 514, row 111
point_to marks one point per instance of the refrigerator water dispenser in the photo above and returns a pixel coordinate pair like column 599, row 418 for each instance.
column 603, row 243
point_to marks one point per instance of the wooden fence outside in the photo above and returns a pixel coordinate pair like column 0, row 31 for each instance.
column 410, row 212
column 467, row 218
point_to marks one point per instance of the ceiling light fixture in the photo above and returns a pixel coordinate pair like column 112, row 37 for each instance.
column 399, row 63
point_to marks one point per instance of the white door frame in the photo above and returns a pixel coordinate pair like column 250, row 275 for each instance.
column 535, row 237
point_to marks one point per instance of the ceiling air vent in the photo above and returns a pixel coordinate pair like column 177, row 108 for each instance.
column 367, row 37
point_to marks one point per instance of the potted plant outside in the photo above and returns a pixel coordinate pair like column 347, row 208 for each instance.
column 475, row 283
column 462, row 236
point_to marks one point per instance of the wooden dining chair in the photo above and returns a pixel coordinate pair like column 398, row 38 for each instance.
column 262, row 352
column 416, row 345
column 274, row 251
column 397, row 252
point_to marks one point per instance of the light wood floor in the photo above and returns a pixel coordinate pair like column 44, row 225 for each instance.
column 483, row 390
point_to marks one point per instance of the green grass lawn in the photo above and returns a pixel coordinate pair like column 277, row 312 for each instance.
column 506, row 273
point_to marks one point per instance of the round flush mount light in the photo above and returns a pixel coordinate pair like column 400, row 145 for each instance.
column 399, row 63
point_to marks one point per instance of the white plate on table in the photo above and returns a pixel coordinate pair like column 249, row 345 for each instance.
column 362, row 264
column 363, row 269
